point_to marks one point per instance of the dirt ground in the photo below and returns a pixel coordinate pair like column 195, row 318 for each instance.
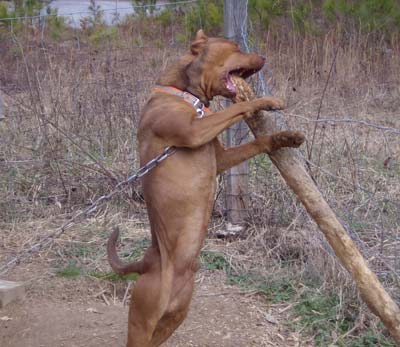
column 58, row 312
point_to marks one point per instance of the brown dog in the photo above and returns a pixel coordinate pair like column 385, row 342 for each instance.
column 179, row 193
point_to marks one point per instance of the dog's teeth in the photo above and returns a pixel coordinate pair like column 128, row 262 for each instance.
column 230, row 84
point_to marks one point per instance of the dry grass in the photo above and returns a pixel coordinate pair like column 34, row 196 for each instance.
column 69, row 136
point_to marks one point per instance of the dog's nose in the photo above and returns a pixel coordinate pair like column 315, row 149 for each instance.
column 262, row 60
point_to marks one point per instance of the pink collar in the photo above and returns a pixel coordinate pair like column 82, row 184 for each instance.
column 186, row 96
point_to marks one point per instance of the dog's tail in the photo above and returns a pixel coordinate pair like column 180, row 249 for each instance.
column 116, row 263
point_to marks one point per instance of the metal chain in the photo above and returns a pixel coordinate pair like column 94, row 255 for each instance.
column 168, row 151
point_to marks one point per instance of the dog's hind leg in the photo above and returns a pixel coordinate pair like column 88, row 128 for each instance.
column 178, row 307
column 143, row 311
column 176, row 313
column 150, row 299
column 180, row 295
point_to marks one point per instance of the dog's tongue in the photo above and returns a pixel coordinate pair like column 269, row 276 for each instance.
column 230, row 84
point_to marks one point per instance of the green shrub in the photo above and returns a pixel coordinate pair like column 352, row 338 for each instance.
column 103, row 34
column 165, row 17
column 3, row 10
column 206, row 14
column 142, row 11
column 264, row 11
column 56, row 24
column 370, row 15
column 28, row 7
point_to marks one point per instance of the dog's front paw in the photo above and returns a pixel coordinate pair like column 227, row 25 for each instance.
column 270, row 103
column 287, row 139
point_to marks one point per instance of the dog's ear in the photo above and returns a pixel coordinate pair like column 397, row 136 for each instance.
column 201, row 36
column 199, row 42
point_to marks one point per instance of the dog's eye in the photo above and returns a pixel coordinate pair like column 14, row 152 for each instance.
column 236, row 48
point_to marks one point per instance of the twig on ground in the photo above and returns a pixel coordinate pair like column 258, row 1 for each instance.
column 126, row 293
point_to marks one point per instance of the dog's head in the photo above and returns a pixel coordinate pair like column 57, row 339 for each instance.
column 213, row 62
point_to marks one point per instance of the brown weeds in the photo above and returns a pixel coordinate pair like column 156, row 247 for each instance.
column 69, row 135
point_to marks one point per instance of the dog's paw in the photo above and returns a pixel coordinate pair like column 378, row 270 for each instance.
column 287, row 139
column 271, row 103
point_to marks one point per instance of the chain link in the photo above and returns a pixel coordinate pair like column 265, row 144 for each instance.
column 168, row 151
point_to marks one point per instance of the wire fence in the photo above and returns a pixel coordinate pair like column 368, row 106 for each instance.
column 72, row 101
column 117, row 10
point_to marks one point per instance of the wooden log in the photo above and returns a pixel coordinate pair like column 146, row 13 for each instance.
column 293, row 171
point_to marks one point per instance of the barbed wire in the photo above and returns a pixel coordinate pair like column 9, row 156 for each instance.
column 262, row 81
column 133, row 7
column 262, row 88
column 348, row 120
column 342, row 179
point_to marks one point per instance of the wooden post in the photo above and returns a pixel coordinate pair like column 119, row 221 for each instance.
column 293, row 171
column 237, row 185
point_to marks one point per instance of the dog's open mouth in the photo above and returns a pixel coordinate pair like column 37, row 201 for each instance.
column 240, row 72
